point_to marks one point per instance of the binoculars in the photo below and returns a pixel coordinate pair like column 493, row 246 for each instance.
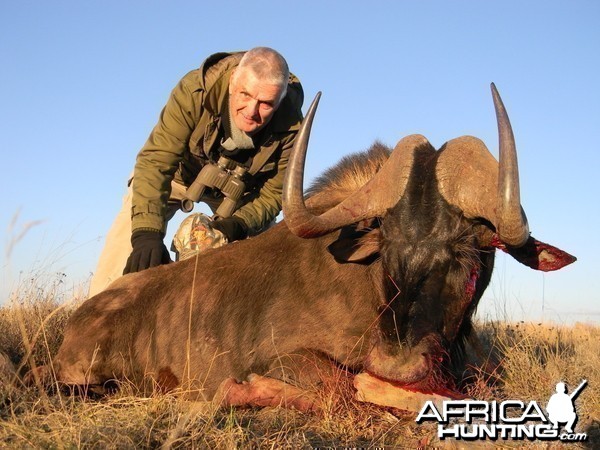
column 226, row 176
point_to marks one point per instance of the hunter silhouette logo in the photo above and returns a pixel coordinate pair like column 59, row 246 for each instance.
column 561, row 406
column 509, row 419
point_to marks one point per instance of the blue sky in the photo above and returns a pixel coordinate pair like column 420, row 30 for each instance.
column 82, row 84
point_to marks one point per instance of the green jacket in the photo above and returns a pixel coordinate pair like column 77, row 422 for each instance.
column 186, row 136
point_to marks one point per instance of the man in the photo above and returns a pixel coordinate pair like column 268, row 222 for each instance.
column 238, row 114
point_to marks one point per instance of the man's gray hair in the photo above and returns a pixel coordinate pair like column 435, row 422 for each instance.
column 267, row 65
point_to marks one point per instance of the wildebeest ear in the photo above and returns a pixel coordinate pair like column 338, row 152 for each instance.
column 356, row 246
column 537, row 255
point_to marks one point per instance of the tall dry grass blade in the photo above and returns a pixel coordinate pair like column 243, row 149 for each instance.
column 14, row 239
column 31, row 361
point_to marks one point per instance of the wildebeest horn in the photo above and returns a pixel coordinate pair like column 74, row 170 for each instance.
column 470, row 178
column 512, row 224
column 372, row 200
column 294, row 209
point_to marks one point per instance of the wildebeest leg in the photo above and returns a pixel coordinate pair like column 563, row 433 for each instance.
column 264, row 391
column 293, row 380
column 306, row 368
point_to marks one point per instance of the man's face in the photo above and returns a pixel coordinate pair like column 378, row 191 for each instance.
column 252, row 102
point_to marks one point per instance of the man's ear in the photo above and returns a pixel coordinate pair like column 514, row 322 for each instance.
column 356, row 246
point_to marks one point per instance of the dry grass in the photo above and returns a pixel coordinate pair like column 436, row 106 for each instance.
column 511, row 361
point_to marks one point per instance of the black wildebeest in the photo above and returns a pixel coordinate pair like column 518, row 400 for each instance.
column 381, row 270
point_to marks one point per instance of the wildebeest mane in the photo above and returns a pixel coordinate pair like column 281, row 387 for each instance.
column 346, row 177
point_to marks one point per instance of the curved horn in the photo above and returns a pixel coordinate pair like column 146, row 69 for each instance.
column 296, row 214
column 382, row 192
column 512, row 224
column 470, row 178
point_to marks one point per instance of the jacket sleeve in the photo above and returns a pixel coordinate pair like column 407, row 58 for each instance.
column 159, row 158
column 266, row 205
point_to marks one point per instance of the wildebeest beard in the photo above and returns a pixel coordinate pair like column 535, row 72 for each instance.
column 434, row 272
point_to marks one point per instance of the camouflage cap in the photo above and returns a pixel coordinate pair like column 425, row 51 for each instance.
column 195, row 235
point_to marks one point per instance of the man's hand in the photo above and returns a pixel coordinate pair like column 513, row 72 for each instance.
column 148, row 251
column 233, row 228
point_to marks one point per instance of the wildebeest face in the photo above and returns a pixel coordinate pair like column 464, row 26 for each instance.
column 433, row 270
column 434, row 275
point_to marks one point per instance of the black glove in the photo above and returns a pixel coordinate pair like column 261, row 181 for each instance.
column 233, row 228
column 149, row 250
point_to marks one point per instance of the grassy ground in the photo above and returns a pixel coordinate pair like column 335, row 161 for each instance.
column 511, row 361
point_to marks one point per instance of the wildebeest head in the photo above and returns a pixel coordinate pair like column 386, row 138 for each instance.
column 435, row 219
